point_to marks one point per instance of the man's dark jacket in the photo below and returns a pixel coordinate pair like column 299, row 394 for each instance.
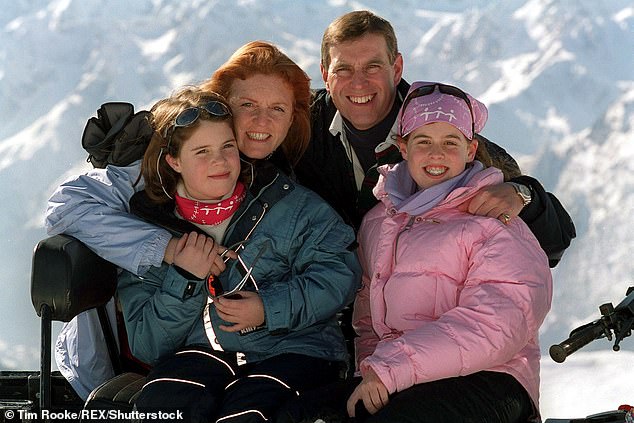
column 325, row 169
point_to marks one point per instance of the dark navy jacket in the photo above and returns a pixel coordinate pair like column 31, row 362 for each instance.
column 326, row 169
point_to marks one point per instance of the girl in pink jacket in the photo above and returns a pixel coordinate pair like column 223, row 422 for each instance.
column 451, row 304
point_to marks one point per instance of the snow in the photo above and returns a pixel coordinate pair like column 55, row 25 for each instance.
column 556, row 75
column 586, row 383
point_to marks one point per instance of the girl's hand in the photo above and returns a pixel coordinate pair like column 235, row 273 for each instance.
column 246, row 310
column 371, row 391
column 196, row 253
column 219, row 265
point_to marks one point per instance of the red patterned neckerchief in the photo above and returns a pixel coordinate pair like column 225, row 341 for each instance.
column 210, row 213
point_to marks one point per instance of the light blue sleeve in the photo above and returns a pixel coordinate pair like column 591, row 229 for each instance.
column 81, row 353
column 94, row 208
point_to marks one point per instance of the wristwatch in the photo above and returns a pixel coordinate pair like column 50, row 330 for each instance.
column 523, row 192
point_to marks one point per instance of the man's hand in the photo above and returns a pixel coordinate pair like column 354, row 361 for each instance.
column 371, row 391
column 244, row 311
column 497, row 201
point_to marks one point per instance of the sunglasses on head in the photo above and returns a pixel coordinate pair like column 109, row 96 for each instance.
column 190, row 115
column 444, row 89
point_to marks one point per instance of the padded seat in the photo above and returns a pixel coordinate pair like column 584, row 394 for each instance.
column 67, row 278
column 119, row 393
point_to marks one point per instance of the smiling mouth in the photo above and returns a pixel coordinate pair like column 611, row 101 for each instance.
column 220, row 176
column 258, row 136
column 436, row 170
column 364, row 99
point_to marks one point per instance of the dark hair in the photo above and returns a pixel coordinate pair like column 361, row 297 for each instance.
column 354, row 25
column 260, row 57
column 160, row 178
column 482, row 153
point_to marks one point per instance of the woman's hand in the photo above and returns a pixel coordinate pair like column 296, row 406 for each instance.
column 199, row 255
column 371, row 391
column 246, row 310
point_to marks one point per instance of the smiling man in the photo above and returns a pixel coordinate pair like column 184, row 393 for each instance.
column 354, row 127
column 362, row 79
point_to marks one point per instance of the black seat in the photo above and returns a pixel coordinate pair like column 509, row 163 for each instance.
column 67, row 278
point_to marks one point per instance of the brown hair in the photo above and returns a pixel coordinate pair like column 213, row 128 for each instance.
column 497, row 158
column 354, row 25
column 160, row 178
column 260, row 57
column 482, row 154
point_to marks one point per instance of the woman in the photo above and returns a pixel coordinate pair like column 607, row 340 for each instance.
column 261, row 83
column 269, row 96
column 292, row 273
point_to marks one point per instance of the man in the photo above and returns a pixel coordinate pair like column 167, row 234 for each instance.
column 354, row 126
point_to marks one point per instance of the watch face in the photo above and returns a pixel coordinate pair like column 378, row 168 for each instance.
column 525, row 193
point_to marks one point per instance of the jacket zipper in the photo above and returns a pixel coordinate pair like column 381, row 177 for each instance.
column 246, row 209
column 406, row 228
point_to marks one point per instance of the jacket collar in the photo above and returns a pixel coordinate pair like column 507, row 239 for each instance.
column 336, row 128
column 486, row 177
column 269, row 187
column 160, row 214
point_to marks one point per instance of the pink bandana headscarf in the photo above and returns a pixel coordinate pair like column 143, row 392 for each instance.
column 440, row 107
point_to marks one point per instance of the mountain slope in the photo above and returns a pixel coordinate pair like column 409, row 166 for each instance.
column 556, row 75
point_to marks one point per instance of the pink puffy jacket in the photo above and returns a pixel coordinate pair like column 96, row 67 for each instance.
column 447, row 293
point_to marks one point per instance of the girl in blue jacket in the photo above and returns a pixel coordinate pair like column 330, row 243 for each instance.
column 272, row 296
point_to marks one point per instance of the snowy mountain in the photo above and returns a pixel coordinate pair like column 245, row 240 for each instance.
column 556, row 75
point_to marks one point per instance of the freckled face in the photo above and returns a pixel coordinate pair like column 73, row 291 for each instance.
column 208, row 161
column 437, row 152
column 262, row 107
